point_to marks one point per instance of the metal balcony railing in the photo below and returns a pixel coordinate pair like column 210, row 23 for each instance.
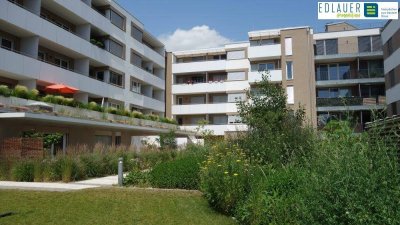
column 350, row 101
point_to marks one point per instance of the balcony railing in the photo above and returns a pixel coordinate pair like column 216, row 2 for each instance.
column 350, row 101
column 351, row 74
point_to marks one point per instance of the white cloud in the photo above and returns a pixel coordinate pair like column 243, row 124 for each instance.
column 195, row 38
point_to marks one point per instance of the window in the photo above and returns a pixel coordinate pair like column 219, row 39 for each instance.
column 327, row 47
column 389, row 47
column 117, row 20
column 198, row 79
column 180, row 101
column 116, row 49
column 288, row 46
column 219, row 120
column 322, row 72
column 369, row 44
column 7, row 44
column 266, row 66
column 333, row 72
column 236, row 55
column 118, row 140
column 98, row 75
column 394, row 108
column 198, row 58
column 263, row 42
column 344, row 71
column 113, row 105
column 136, row 59
column 331, row 47
column 234, row 119
column 103, row 139
column 219, row 98
column 136, row 86
column 136, row 33
column 290, row 94
column 323, row 93
column 41, row 56
column 236, row 97
column 392, row 80
column 61, row 63
column 197, row 100
column 219, row 57
column 289, row 70
column 116, row 78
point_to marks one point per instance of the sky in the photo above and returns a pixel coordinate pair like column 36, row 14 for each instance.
column 191, row 24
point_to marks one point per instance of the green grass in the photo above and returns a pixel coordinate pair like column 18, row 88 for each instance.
column 108, row 206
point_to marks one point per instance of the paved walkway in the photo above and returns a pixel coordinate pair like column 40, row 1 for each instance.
column 42, row 186
column 102, row 181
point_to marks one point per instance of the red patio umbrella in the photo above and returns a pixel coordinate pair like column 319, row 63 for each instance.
column 61, row 88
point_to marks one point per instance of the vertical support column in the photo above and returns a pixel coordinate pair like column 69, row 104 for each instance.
column 82, row 66
column 107, row 76
column 30, row 84
column 30, row 46
column 83, row 31
column 33, row 6
column 82, row 97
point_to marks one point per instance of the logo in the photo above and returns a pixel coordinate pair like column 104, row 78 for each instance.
column 371, row 10
column 358, row 10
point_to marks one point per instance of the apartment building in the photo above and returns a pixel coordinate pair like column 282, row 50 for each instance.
column 391, row 53
column 206, row 84
column 95, row 46
column 349, row 74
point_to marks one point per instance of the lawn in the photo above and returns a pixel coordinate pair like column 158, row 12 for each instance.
column 108, row 206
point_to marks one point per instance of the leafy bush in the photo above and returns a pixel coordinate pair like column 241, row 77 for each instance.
column 168, row 140
column 112, row 110
column 5, row 91
column 180, row 173
column 21, row 92
column 23, row 171
column 154, row 117
column 136, row 114
column 136, row 178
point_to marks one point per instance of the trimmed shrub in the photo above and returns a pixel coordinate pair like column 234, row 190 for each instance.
column 136, row 114
column 5, row 90
column 181, row 173
column 112, row 110
column 33, row 94
column 136, row 178
column 21, row 92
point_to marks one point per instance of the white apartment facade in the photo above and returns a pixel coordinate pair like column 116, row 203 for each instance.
column 93, row 45
column 206, row 84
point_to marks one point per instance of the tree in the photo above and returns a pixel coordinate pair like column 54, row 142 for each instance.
column 275, row 132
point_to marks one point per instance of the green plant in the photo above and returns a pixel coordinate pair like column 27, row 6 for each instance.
column 5, row 90
column 112, row 110
column 21, row 92
column 23, row 171
column 136, row 178
column 225, row 177
column 33, row 94
column 179, row 173
column 277, row 134
column 167, row 140
column 136, row 114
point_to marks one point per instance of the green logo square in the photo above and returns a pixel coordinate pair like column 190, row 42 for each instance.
column 370, row 9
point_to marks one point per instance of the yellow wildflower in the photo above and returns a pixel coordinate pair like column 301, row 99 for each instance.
column 226, row 172
column 235, row 174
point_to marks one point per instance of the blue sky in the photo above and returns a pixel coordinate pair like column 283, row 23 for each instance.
column 230, row 18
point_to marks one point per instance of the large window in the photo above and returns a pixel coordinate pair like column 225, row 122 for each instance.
column 61, row 63
column 136, row 33
column 327, row 47
column 116, row 79
column 99, row 75
column 136, row 86
column 136, row 59
column 117, row 20
column 371, row 69
column 333, row 71
column 116, row 49
column 333, row 92
column 289, row 70
column 369, row 44
column 7, row 44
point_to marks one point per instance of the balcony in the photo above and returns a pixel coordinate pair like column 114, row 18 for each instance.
column 256, row 76
column 349, row 56
column 210, row 87
column 350, row 103
column 216, row 108
column 363, row 76
column 264, row 52
column 147, row 102
column 217, row 129
column 203, row 66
